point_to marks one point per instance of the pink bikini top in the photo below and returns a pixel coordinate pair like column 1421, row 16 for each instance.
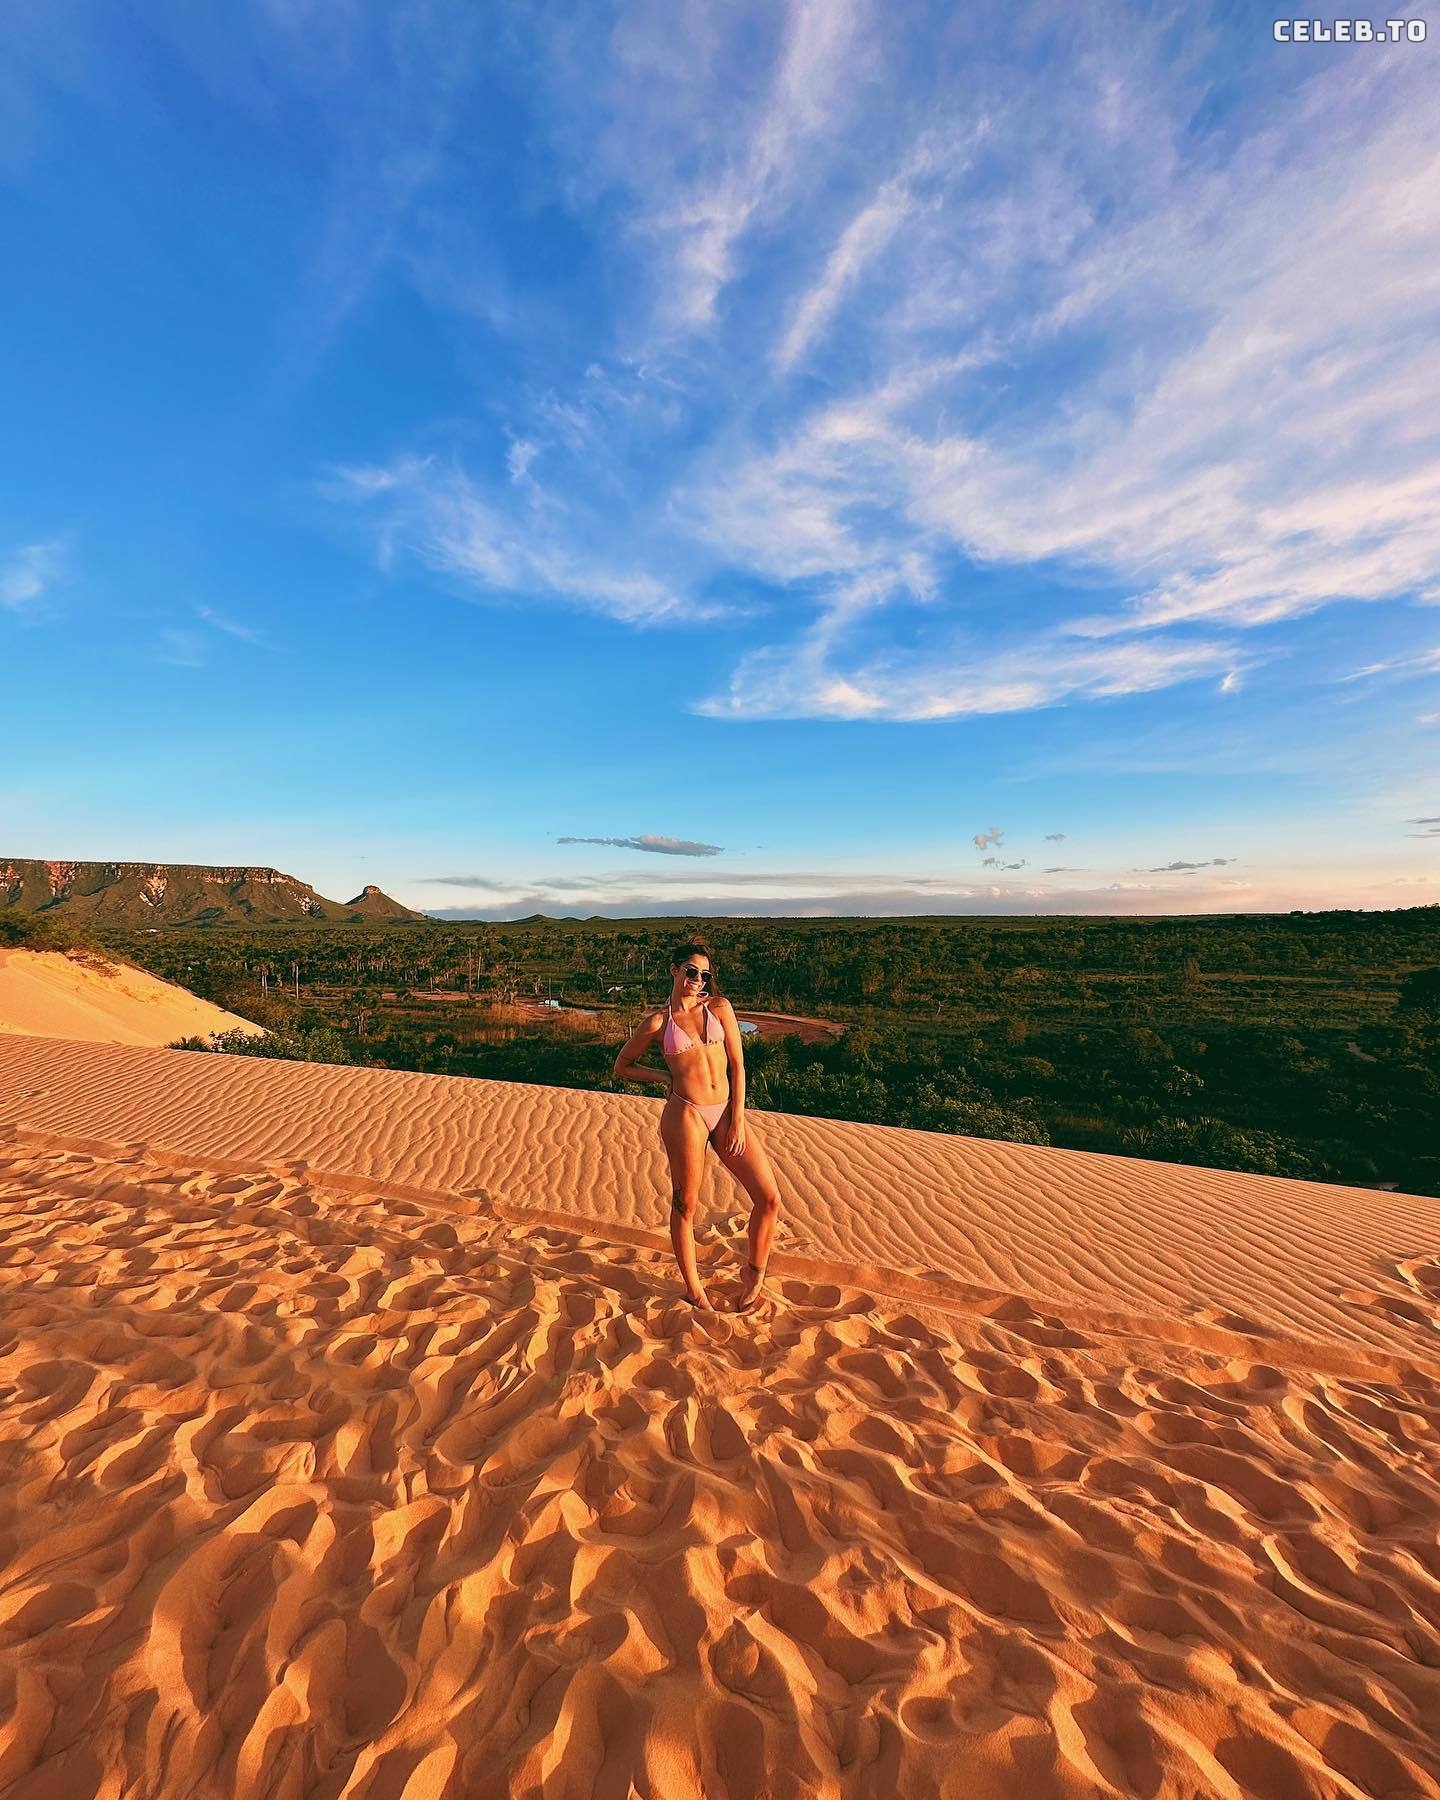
column 676, row 1039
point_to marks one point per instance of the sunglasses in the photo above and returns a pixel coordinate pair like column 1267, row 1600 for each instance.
column 695, row 974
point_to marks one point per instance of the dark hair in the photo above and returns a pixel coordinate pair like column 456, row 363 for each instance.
column 697, row 947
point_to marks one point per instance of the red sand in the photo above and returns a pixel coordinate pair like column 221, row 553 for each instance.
column 356, row 1443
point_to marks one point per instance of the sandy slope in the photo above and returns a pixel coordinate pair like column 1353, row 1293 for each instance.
column 44, row 994
column 344, row 1484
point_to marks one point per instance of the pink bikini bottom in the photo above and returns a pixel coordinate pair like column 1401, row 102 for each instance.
column 710, row 1112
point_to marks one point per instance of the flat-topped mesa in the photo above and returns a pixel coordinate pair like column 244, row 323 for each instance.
column 145, row 895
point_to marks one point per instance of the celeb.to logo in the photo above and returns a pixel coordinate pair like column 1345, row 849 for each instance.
column 1349, row 31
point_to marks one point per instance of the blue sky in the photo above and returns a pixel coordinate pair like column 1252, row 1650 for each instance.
column 796, row 458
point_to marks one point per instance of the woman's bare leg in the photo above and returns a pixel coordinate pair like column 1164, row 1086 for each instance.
column 682, row 1131
column 751, row 1168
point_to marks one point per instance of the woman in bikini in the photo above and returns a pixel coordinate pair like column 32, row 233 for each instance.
column 699, row 1038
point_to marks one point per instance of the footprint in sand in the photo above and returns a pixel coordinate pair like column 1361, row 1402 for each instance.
column 1422, row 1273
column 1219, row 1318
column 1419, row 1305
column 735, row 1228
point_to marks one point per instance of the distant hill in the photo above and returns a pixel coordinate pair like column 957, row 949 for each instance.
column 373, row 903
column 135, row 896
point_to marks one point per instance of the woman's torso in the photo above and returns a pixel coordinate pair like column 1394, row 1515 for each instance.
column 698, row 1071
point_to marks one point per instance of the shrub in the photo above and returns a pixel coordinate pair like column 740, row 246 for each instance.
column 821, row 1093
column 1420, row 993
column 1182, row 1083
column 1212, row 1144
column 956, row 1105
column 318, row 1046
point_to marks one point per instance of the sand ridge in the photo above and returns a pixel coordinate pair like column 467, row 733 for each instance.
column 46, row 994
column 312, row 1493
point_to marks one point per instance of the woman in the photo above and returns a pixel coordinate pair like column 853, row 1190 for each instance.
column 700, row 1040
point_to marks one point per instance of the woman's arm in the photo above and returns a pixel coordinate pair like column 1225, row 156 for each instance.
column 734, row 1053
column 627, row 1064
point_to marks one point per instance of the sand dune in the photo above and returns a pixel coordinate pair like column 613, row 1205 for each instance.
column 327, row 1480
column 1113, row 1240
column 45, row 994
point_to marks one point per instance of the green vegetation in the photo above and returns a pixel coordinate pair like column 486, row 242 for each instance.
column 30, row 931
column 1306, row 1044
column 317, row 1044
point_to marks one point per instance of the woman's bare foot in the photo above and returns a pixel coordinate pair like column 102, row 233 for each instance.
column 750, row 1288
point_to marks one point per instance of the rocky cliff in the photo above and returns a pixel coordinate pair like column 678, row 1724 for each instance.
column 139, row 895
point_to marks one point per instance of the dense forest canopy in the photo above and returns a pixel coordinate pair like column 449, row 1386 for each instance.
column 1302, row 1044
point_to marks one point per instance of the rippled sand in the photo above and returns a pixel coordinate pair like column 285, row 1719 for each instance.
column 318, row 1482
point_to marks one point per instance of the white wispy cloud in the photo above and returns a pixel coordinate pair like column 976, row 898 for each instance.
column 231, row 627
column 1425, row 662
column 1238, row 456
column 519, row 458
column 863, row 239
column 784, row 682
column 898, row 330
column 439, row 514
column 705, row 224
column 1287, row 456
column 181, row 648
column 28, row 573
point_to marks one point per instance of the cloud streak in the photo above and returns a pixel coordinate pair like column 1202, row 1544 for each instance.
column 862, row 241
column 1180, row 868
column 230, row 627
column 706, row 226
column 447, row 520
column 27, row 574
column 1427, row 662
column 810, row 681
column 659, row 846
